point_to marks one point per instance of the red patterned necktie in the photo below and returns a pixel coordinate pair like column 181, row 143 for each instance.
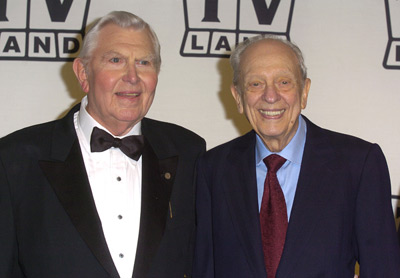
column 273, row 216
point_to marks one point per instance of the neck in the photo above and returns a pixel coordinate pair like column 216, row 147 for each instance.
column 119, row 129
column 275, row 146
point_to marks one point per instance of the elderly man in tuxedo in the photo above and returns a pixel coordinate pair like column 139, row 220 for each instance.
column 290, row 199
column 104, row 191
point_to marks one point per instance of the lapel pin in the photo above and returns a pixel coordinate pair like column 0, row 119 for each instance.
column 167, row 176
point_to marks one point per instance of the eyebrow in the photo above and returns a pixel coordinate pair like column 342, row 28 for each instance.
column 279, row 71
column 150, row 57
column 111, row 53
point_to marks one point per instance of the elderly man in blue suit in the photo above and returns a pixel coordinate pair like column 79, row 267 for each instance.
column 290, row 199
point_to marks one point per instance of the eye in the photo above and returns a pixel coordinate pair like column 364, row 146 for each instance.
column 143, row 62
column 256, row 85
column 285, row 84
column 115, row 60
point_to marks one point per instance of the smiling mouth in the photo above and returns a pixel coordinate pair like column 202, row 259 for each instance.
column 120, row 94
column 273, row 113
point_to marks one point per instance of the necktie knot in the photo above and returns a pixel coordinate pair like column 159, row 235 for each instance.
column 274, row 162
column 131, row 146
column 117, row 142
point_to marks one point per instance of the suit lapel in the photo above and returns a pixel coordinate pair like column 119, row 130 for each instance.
column 158, row 174
column 313, row 189
column 240, row 189
column 67, row 175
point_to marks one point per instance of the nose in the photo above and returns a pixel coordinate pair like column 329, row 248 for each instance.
column 131, row 74
column 271, row 94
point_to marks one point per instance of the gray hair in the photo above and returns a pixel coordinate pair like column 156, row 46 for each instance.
column 124, row 20
column 241, row 47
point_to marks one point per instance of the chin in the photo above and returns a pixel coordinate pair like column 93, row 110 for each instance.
column 128, row 114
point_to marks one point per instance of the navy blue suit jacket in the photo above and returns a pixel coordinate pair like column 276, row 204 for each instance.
column 342, row 212
column 49, row 226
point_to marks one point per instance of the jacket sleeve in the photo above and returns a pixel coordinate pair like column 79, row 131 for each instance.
column 377, row 242
column 203, row 265
column 9, row 267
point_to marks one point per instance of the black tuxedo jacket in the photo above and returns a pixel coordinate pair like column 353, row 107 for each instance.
column 341, row 214
column 49, row 226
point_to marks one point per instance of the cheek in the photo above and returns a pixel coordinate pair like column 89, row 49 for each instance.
column 250, row 101
column 107, row 82
column 148, row 100
column 293, row 100
column 150, row 82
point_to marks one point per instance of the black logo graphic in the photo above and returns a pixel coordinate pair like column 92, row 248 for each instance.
column 213, row 33
column 392, row 54
column 42, row 30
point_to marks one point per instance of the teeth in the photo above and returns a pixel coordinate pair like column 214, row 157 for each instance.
column 272, row 113
column 128, row 94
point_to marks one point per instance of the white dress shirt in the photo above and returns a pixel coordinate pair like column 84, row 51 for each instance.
column 115, row 181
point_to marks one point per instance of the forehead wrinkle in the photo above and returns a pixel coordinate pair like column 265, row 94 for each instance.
column 131, row 44
column 148, row 57
column 112, row 52
column 254, row 73
column 278, row 52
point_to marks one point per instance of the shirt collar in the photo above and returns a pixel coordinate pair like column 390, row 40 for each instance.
column 293, row 152
column 87, row 123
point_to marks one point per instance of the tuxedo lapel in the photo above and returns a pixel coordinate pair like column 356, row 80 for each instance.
column 240, row 189
column 66, row 173
column 313, row 189
column 158, row 174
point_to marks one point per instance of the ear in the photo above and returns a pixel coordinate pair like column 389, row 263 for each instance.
column 304, row 93
column 238, row 98
column 81, row 75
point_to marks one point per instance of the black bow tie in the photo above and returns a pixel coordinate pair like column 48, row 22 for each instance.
column 131, row 145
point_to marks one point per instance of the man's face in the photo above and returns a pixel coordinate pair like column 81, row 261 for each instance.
column 271, row 95
column 120, row 78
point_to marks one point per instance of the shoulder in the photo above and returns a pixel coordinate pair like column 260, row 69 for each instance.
column 26, row 145
column 169, row 129
column 242, row 145
column 338, row 139
column 40, row 135
column 28, row 136
column 158, row 131
column 345, row 146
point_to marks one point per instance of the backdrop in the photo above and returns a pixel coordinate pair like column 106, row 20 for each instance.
column 351, row 48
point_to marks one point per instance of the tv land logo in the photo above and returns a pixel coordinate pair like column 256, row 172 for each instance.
column 42, row 30
column 221, row 24
column 392, row 54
